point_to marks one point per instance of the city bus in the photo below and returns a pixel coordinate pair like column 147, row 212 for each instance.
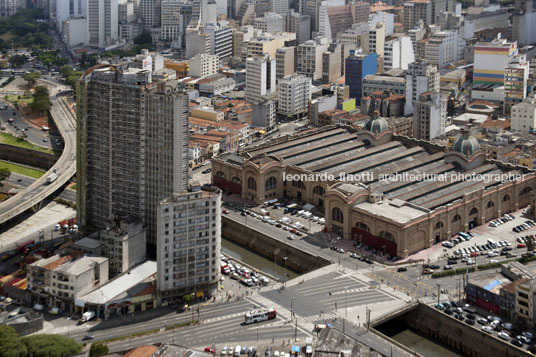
column 259, row 315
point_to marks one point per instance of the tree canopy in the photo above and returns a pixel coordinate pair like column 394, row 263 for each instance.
column 32, row 78
column 18, row 60
column 47, row 345
column 10, row 343
column 4, row 174
column 41, row 100
column 25, row 29
column 71, row 76
column 144, row 39
column 98, row 349
column 52, row 58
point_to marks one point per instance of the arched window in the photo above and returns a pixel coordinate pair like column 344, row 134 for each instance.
column 439, row 225
column 252, row 184
column 319, row 190
column 387, row 235
column 490, row 204
column 220, row 174
column 473, row 211
column 525, row 191
column 298, row 184
column 456, row 218
column 362, row 226
column 270, row 184
column 236, row 179
column 336, row 215
column 506, row 198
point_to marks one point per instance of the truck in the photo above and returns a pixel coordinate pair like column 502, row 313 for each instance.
column 308, row 346
column 22, row 247
column 51, row 178
column 86, row 316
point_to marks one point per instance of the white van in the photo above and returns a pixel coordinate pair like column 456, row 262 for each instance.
column 38, row 307
column 237, row 351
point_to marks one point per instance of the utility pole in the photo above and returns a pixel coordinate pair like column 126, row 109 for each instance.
column 296, row 329
column 368, row 318
column 438, row 293
column 275, row 264
column 285, row 277
column 459, row 294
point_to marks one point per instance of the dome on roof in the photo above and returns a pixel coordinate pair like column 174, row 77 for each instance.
column 466, row 144
column 376, row 124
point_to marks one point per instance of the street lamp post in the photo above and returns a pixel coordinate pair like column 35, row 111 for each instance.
column 285, row 277
column 438, row 292
column 291, row 310
column 68, row 326
column 275, row 263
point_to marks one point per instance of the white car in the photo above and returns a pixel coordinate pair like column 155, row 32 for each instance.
column 290, row 237
column 487, row 329
column 322, row 221
column 504, row 336
column 285, row 228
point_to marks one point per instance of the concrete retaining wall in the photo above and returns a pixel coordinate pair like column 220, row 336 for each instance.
column 27, row 157
column 469, row 340
column 297, row 260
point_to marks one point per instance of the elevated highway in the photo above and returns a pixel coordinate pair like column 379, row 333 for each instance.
column 65, row 167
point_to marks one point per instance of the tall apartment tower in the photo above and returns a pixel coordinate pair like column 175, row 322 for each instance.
column 300, row 24
column 357, row 66
column 417, row 10
column 285, row 62
column 199, row 12
column 294, row 95
column 281, row 7
column 260, row 78
column 132, row 146
column 172, row 22
column 11, row 7
column 149, row 12
column 421, row 77
column 188, row 255
column 430, row 116
column 516, row 76
column 102, row 22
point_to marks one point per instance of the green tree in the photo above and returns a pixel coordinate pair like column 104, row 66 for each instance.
column 10, row 342
column 51, row 346
column 32, row 78
column 18, row 60
column 144, row 39
column 4, row 174
column 98, row 349
column 41, row 100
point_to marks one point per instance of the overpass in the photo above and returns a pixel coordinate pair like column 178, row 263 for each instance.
column 33, row 195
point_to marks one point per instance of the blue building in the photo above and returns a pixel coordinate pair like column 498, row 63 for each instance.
column 357, row 66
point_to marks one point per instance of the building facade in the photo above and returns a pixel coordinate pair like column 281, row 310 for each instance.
column 421, row 77
column 293, row 94
column 260, row 78
column 357, row 67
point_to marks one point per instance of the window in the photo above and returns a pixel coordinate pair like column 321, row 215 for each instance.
column 456, row 218
column 336, row 215
column 362, row 226
column 490, row 204
column 473, row 211
column 525, row 191
column 237, row 180
column 252, row 184
column 220, row 174
column 298, row 184
column 387, row 235
column 270, row 184
column 439, row 225
column 506, row 198
column 319, row 190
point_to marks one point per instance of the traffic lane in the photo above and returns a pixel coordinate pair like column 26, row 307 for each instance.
column 123, row 326
column 34, row 135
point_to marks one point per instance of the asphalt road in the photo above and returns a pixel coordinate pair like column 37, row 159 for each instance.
column 65, row 167
column 23, row 181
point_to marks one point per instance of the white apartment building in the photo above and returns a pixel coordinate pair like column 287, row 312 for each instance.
column 377, row 39
column 58, row 281
column 260, row 78
column 202, row 65
column 221, row 38
column 189, row 243
column 309, row 60
column 523, row 116
column 421, row 77
column 11, row 7
column 387, row 18
column 102, row 22
column 398, row 53
column 294, row 95
column 149, row 13
column 444, row 47
column 280, row 7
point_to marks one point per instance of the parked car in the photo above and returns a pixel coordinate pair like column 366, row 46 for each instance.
column 402, row 269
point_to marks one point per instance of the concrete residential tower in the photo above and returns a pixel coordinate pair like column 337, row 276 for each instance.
column 132, row 146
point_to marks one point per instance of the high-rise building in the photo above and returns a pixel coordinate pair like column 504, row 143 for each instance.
column 398, row 53
column 132, row 145
column 333, row 20
column 331, row 63
column 221, row 39
column 294, row 95
column 377, row 39
column 444, row 47
column 285, row 62
column 357, row 66
column 260, row 78
column 490, row 60
column 280, row 7
column 421, row 77
column 263, row 115
column 430, row 112
column 416, row 10
column 387, row 18
column 189, row 243
column 202, row 65
column 516, row 76
column 102, row 22
column 197, row 42
column 11, row 7
column 199, row 12
column 172, row 22
column 271, row 22
column 300, row 24
column 523, row 115
column 149, row 13
column 309, row 60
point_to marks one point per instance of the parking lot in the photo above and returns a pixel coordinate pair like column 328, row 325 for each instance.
column 488, row 323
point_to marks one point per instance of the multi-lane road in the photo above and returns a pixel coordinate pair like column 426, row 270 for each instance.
column 65, row 167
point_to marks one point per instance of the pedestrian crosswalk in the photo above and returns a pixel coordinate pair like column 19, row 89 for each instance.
column 319, row 318
column 267, row 288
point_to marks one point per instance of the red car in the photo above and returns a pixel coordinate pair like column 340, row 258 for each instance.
column 292, row 231
column 226, row 211
column 210, row 350
column 521, row 245
column 475, row 254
